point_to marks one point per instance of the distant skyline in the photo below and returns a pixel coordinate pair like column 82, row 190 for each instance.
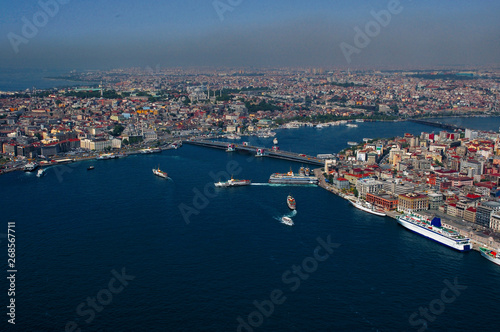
column 239, row 33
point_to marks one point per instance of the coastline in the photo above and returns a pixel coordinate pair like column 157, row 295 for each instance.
column 476, row 239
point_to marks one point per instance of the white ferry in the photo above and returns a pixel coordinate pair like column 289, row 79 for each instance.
column 367, row 207
column 287, row 221
column 490, row 255
column 433, row 230
column 232, row 183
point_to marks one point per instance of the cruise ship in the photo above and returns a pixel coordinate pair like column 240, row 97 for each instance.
column 291, row 178
column 232, row 183
column 433, row 230
column 368, row 207
column 490, row 255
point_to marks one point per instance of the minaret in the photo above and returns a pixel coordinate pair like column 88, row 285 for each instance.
column 102, row 92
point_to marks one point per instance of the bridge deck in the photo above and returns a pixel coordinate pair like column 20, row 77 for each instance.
column 296, row 157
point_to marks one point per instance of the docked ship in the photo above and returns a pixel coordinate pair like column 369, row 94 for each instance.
column 232, row 183
column 30, row 167
column 230, row 148
column 433, row 230
column 490, row 255
column 351, row 143
column 291, row 178
column 368, row 207
column 106, row 156
column 149, row 150
column 160, row 173
column 290, row 201
column 352, row 125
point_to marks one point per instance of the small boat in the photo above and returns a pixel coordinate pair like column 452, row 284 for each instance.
column 275, row 141
column 490, row 255
column 287, row 221
column 90, row 168
column 160, row 173
column 40, row 173
column 290, row 201
column 230, row 148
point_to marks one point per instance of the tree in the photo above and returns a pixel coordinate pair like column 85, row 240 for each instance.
column 355, row 192
column 117, row 130
column 125, row 142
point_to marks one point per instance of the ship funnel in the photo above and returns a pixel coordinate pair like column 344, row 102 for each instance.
column 436, row 222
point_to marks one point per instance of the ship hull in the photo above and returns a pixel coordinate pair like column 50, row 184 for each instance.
column 362, row 208
column 294, row 180
column 434, row 236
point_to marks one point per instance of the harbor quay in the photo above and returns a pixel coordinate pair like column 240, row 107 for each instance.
column 478, row 238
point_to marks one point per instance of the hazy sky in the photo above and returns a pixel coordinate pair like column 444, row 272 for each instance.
column 87, row 34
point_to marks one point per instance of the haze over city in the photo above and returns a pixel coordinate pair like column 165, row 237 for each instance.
column 99, row 35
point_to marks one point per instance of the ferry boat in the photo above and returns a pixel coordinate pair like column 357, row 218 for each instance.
column 40, row 173
column 352, row 125
column 367, row 207
column 233, row 137
column 287, row 221
column 232, row 183
column 433, row 230
column 351, row 143
column 30, row 167
column 490, row 255
column 150, row 150
column 291, row 178
column 106, row 156
column 160, row 173
column 290, row 201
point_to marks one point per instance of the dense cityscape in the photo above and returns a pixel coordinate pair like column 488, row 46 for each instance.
column 455, row 173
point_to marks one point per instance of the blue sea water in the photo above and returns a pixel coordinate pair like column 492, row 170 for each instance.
column 74, row 227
